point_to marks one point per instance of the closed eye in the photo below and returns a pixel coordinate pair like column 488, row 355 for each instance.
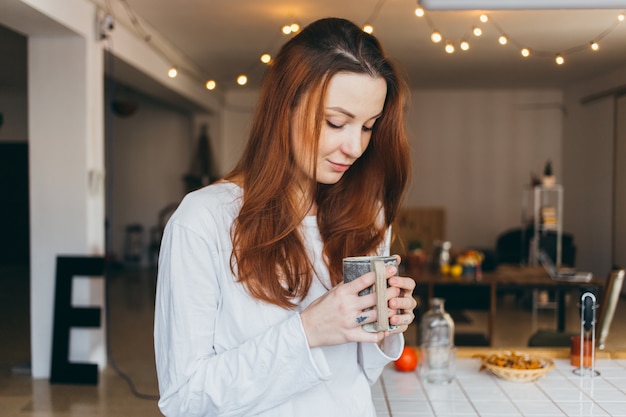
column 332, row 125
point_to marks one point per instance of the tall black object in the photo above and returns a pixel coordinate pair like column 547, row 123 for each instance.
column 202, row 164
column 66, row 316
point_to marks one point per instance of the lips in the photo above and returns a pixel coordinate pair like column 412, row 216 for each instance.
column 339, row 167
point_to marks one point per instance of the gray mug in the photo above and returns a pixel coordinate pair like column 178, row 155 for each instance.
column 354, row 267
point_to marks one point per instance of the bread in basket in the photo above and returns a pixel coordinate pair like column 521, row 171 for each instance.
column 516, row 367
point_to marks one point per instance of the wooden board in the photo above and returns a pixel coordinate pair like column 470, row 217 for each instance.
column 418, row 224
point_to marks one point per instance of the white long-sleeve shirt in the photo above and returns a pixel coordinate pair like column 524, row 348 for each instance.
column 221, row 352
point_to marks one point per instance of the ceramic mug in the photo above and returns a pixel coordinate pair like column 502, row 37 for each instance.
column 354, row 267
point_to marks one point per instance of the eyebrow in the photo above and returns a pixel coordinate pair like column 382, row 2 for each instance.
column 350, row 115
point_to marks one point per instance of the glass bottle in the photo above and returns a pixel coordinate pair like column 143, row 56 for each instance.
column 437, row 344
column 441, row 255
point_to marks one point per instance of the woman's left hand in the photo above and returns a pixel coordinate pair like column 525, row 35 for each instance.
column 401, row 301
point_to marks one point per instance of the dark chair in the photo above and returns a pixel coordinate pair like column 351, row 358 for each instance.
column 512, row 246
column 610, row 296
column 156, row 232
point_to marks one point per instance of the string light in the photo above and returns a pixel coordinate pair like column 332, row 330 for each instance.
column 242, row 80
column 503, row 39
column 292, row 28
column 559, row 59
column 435, row 36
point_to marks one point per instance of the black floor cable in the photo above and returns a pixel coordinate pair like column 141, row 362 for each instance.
column 110, row 356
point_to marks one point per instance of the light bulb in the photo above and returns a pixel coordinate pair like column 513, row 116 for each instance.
column 449, row 48
column 484, row 18
column 242, row 80
column 502, row 40
column 287, row 29
column 294, row 27
column 465, row 45
column 525, row 52
column 172, row 72
column 368, row 29
column 620, row 17
column 594, row 46
column 419, row 12
column 559, row 59
column 477, row 31
column 210, row 85
column 435, row 37
column 266, row 58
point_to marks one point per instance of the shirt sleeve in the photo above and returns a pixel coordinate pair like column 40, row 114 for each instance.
column 373, row 359
column 194, row 379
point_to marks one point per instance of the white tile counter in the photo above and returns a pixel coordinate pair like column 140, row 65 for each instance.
column 474, row 393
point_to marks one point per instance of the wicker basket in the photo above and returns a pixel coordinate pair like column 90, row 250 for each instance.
column 520, row 375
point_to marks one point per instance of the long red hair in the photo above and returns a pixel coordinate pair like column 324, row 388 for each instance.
column 354, row 214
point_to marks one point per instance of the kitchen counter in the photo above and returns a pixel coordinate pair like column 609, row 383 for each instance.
column 480, row 393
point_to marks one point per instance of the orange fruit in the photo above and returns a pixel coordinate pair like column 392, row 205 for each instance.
column 407, row 361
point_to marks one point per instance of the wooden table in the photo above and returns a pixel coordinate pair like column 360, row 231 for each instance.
column 431, row 284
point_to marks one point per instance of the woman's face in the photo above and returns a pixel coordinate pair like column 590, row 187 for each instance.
column 353, row 104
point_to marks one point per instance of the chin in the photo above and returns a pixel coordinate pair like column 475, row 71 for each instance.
column 329, row 179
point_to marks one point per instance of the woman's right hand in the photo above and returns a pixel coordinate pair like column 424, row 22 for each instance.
column 337, row 316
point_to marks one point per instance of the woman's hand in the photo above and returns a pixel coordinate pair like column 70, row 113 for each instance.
column 401, row 301
column 337, row 316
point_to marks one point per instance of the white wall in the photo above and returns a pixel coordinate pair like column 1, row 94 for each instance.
column 66, row 158
column 152, row 151
column 474, row 151
column 237, row 117
column 588, row 169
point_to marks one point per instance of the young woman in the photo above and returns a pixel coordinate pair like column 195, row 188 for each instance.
column 252, row 317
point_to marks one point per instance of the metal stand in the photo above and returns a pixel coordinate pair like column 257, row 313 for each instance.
column 588, row 307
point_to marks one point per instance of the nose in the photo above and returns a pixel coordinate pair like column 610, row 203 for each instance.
column 354, row 142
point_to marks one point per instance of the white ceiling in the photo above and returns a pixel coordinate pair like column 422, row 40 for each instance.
column 226, row 38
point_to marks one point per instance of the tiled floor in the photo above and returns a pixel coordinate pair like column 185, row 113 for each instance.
column 131, row 295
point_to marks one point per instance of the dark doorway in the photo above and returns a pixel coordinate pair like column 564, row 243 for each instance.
column 14, row 212
column 14, row 258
